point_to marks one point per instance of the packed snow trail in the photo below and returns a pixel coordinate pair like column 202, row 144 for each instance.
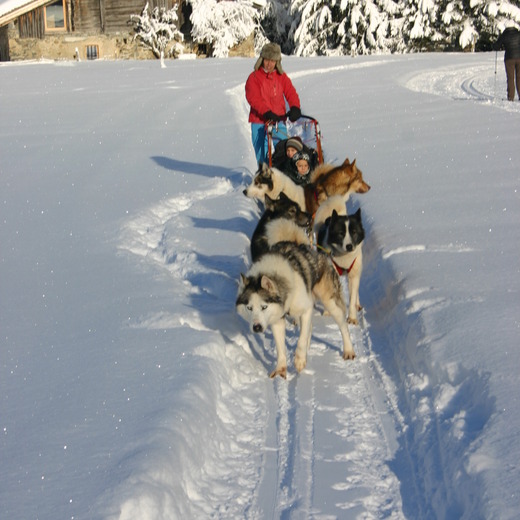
column 327, row 426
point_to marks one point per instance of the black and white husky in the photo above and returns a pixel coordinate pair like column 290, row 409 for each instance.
column 282, row 221
column 342, row 236
column 285, row 281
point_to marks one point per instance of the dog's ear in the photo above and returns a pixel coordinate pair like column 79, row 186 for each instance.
column 283, row 196
column 268, row 202
column 357, row 214
column 334, row 215
column 266, row 171
column 243, row 280
column 267, row 284
column 346, row 162
column 353, row 164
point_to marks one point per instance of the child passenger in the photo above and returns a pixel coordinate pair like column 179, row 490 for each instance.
column 292, row 146
column 301, row 168
column 284, row 152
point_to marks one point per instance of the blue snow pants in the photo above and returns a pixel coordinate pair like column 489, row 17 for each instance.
column 259, row 138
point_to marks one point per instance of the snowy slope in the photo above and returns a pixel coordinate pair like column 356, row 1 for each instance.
column 130, row 388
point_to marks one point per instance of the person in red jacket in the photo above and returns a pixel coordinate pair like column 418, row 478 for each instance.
column 269, row 91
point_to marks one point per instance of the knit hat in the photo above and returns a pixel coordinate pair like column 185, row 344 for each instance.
column 294, row 142
column 270, row 51
column 298, row 156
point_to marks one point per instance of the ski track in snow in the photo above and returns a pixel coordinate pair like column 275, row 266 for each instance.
column 305, row 471
column 464, row 83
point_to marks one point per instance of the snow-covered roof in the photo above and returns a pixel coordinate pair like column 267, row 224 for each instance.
column 11, row 9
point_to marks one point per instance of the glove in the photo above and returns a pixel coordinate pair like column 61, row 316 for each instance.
column 271, row 116
column 294, row 114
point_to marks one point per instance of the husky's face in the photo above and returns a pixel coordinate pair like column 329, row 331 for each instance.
column 359, row 185
column 284, row 207
column 345, row 233
column 341, row 180
column 262, row 184
column 258, row 302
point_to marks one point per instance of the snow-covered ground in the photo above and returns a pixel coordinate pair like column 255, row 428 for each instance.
column 129, row 387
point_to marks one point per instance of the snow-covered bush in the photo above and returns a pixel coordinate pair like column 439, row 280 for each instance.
column 223, row 24
column 159, row 30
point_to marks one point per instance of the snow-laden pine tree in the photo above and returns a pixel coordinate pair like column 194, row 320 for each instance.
column 277, row 24
column 159, row 30
column 370, row 26
column 421, row 25
column 223, row 24
column 313, row 26
column 453, row 18
column 347, row 27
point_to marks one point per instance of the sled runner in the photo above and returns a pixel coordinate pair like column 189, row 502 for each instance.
column 306, row 128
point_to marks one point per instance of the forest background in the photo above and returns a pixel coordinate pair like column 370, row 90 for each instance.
column 353, row 27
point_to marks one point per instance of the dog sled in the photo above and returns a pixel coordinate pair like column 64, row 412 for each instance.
column 306, row 128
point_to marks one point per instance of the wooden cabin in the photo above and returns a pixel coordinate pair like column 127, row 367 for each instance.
column 74, row 29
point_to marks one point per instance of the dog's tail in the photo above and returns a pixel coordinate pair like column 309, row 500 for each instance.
column 320, row 171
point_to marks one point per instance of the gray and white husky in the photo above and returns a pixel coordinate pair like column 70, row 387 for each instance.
column 286, row 281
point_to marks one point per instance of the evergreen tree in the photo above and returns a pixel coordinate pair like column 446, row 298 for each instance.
column 277, row 24
column 369, row 26
column 223, row 24
column 452, row 17
column 313, row 26
column 347, row 27
column 421, row 24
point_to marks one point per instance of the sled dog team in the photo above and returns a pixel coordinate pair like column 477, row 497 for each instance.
column 289, row 274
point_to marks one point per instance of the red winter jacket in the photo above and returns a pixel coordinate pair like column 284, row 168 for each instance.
column 266, row 92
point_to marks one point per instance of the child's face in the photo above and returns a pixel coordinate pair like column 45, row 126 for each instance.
column 302, row 166
column 290, row 151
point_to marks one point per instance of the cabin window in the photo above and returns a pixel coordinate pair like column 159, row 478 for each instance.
column 55, row 16
column 92, row 52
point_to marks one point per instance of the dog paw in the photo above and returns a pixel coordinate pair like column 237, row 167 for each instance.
column 352, row 321
column 300, row 363
column 282, row 372
column 349, row 354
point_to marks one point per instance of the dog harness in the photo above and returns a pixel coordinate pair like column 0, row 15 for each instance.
column 340, row 269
